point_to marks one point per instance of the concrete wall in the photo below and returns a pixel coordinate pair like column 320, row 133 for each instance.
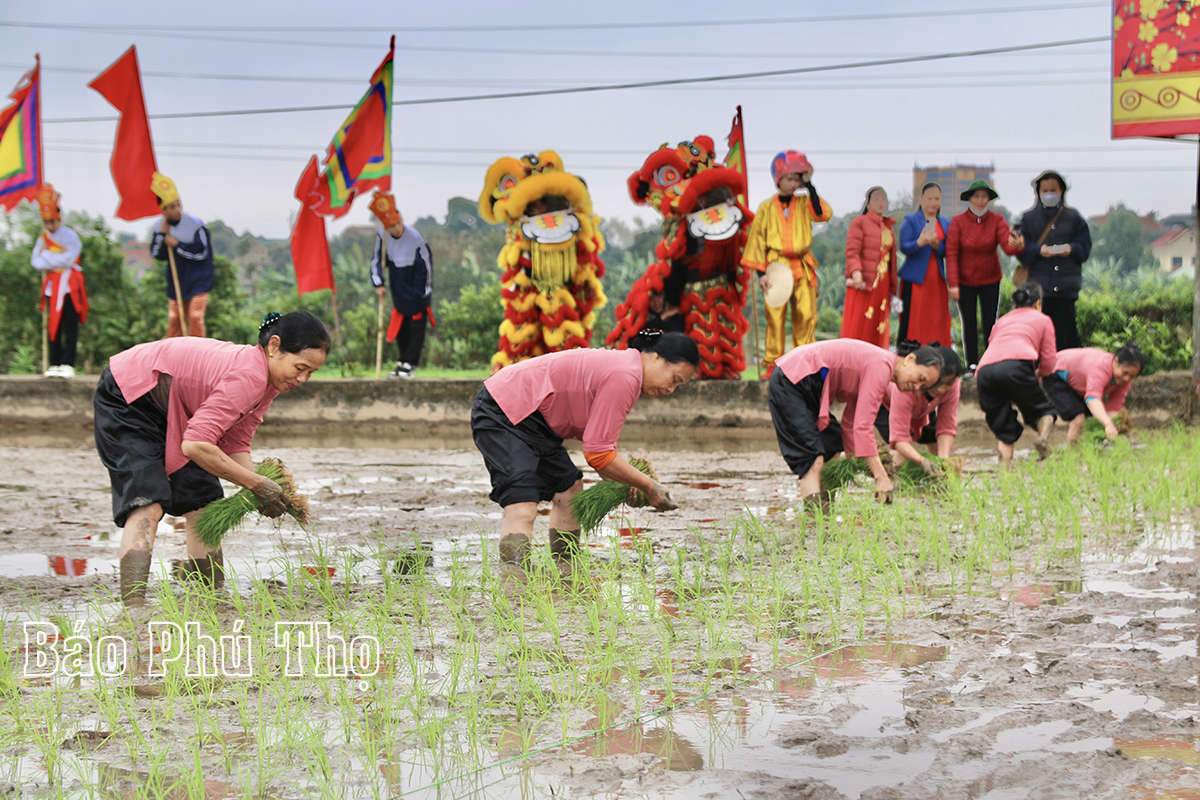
column 362, row 402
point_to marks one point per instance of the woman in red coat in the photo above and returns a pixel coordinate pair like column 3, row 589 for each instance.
column 972, row 267
column 870, row 272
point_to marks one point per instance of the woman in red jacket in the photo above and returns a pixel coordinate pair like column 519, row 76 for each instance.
column 972, row 267
column 870, row 272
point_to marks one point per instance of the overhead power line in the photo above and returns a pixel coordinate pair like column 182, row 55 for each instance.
column 716, row 23
column 482, row 165
column 617, row 86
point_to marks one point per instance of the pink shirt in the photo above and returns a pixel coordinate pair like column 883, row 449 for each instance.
column 1023, row 334
column 583, row 394
column 909, row 413
column 219, row 390
column 1088, row 371
column 857, row 374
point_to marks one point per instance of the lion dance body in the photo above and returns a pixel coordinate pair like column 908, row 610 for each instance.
column 551, row 258
column 697, row 285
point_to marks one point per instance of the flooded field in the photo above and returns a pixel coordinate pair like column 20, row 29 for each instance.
column 1030, row 633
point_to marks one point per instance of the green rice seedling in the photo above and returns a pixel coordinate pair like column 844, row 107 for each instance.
column 841, row 472
column 910, row 473
column 220, row 517
column 594, row 503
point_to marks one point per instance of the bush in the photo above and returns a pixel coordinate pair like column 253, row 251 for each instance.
column 467, row 334
column 1157, row 317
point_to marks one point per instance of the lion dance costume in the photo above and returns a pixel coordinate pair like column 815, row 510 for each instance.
column 697, row 285
column 551, row 256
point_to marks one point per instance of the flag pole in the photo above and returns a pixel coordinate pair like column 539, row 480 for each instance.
column 45, row 335
column 185, row 324
column 379, row 343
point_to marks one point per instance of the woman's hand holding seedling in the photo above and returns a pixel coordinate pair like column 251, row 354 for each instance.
column 271, row 500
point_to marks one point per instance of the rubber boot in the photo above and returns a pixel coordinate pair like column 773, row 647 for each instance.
column 135, row 576
column 564, row 544
column 1042, row 442
column 515, row 549
column 210, row 569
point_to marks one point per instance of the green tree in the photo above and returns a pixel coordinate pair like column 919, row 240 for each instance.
column 1122, row 239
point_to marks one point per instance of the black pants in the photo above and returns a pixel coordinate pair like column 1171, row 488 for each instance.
column 1000, row 386
column 1066, row 402
column 987, row 298
column 62, row 348
column 1062, row 313
column 794, row 411
column 411, row 339
column 883, row 424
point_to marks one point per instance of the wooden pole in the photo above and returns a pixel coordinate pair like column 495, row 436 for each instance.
column 1196, row 299
column 46, row 334
column 337, row 325
column 185, row 324
column 379, row 343
column 754, row 302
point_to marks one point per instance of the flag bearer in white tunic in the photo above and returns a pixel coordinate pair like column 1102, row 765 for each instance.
column 56, row 254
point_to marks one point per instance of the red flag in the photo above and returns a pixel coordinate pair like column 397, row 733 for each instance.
column 133, row 153
column 310, row 247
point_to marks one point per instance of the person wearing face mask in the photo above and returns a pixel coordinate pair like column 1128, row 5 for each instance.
column 56, row 253
column 1053, row 243
column 1089, row 382
column 782, row 231
column 871, row 280
column 973, row 268
column 174, row 416
column 925, row 315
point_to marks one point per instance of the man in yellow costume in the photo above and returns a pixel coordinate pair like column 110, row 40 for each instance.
column 551, row 258
column 782, row 232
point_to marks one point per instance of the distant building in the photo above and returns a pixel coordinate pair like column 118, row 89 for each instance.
column 953, row 180
column 1175, row 252
column 1180, row 221
column 1150, row 226
column 136, row 256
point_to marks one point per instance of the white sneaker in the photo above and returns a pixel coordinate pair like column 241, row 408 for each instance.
column 66, row 371
column 56, row 371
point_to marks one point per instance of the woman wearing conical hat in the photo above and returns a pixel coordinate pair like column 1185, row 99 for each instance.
column 57, row 254
column 187, row 237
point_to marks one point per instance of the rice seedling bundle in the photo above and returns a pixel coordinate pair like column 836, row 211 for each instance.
column 594, row 503
column 839, row 473
column 222, row 516
column 910, row 473
column 1093, row 430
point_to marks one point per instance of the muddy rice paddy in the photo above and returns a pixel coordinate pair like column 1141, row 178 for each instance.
column 1026, row 634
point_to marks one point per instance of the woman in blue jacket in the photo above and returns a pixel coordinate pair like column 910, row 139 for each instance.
column 925, row 317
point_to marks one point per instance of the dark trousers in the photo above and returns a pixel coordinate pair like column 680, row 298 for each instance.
column 795, row 408
column 1062, row 313
column 1000, row 386
column 987, row 298
column 62, row 348
column 411, row 339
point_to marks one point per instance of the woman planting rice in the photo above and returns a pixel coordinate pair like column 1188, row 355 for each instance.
column 1020, row 349
column 1088, row 382
column 929, row 417
column 524, row 411
column 175, row 415
column 856, row 373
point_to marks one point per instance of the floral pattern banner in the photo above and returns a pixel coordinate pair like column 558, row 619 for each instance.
column 1156, row 68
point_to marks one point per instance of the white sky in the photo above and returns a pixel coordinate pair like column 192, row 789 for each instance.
column 1025, row 112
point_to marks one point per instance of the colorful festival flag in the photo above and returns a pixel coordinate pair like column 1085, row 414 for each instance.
column 359, row 158
column 133, row 165
column 21, row 141
column 1156, row 68
column 736, row 160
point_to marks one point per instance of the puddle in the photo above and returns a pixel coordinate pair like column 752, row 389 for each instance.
column 1036, row 595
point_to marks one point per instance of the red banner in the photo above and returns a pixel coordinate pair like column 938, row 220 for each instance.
column 1155, row 68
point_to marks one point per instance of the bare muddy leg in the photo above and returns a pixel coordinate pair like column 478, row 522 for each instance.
column 564, row 544
column 137, row 542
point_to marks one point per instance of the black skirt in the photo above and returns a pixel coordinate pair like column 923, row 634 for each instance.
column 527, row 461
column 131, row 439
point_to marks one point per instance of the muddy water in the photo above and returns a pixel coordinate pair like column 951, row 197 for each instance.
column 1074, row 681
